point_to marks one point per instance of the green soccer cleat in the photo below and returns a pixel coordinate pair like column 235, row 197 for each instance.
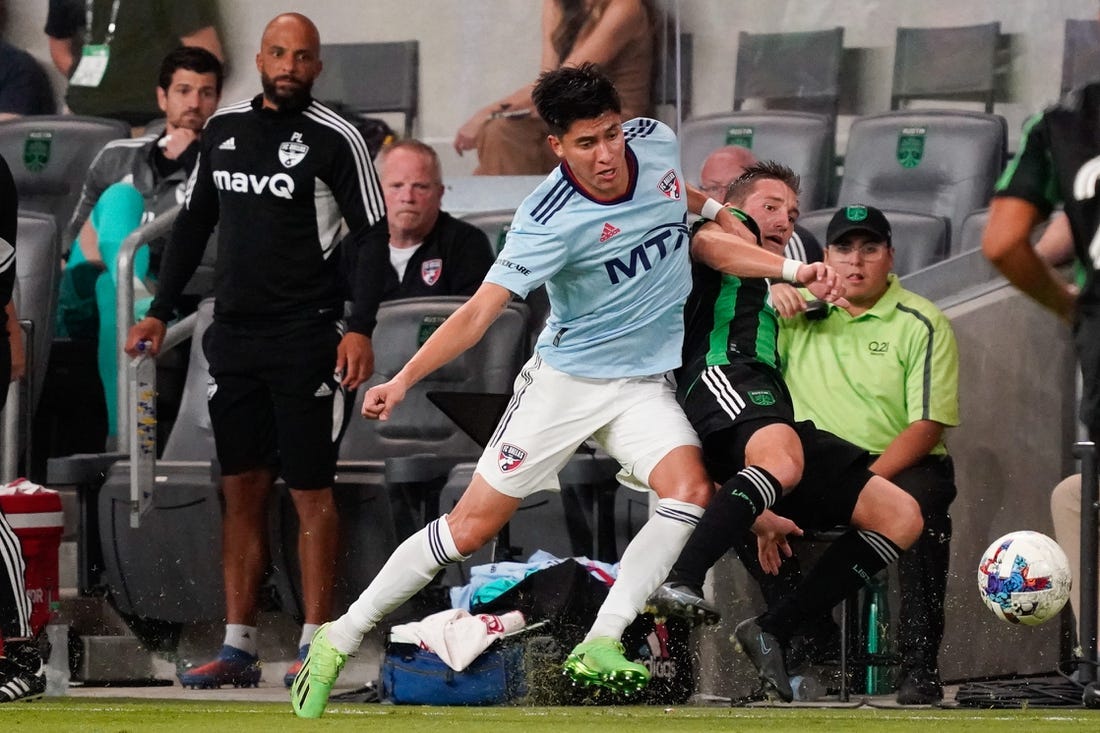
column 314, row 681
column 601, row 662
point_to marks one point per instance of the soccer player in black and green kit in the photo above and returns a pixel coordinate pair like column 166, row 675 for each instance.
column 769, row 466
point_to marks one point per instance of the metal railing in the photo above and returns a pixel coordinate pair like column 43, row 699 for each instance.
column 124, row 313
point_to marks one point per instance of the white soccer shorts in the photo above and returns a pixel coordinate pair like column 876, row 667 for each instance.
column 635, row 419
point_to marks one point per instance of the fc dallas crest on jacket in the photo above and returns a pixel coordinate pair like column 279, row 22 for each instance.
column 670, row 185
column 510, row 457
column 430, row 270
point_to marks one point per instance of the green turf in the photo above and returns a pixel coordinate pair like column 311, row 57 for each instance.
column 111, row 715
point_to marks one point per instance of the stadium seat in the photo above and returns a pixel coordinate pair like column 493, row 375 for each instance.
column 35, row 297
column 38, row 254
column 919, row 240
column 495, row 224
column 1080, row 53
column 946, row 64
column 970, row 235
column 373, row 77
column 801, row 140
column 794, row 71
column 925, row 161
column 49, row 156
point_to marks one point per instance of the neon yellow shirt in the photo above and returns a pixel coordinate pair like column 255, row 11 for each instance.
column 869, row 377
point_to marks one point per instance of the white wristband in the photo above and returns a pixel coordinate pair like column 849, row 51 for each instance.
column 710, row 210
column 790, row 270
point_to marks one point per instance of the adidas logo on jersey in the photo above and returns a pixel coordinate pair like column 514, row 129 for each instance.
column 230, row 144
column 323, row 391
column 609, row 231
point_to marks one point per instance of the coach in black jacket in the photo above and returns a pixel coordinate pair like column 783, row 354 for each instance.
column 417, row 249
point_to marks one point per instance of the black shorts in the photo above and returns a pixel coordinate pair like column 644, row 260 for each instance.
column 735, row 395
column 274, row 400
column 834, row 474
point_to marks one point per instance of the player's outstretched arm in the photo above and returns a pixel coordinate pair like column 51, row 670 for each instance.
column 460, row 331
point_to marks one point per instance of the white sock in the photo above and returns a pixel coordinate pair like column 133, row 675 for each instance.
column 308, row 630
column 411, row 567
column 241, row 637
column 645, row 565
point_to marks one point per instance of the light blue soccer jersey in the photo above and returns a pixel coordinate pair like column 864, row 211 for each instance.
column 617, row 272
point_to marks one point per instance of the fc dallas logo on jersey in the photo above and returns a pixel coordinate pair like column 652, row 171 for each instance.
column 430, row 270
column 510, row 457
column 670, row 185
column 293, row 152
column 609, row 231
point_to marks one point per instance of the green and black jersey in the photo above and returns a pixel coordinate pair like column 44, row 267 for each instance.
column 1059, row 162
column 727, row 319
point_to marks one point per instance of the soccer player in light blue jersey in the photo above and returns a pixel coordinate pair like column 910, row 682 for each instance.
column 606, row 232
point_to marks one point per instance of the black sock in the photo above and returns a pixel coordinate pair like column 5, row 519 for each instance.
column 848, row 563
column 734, row 508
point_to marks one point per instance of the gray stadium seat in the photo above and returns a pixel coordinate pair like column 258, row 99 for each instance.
column 970, row 235
column 372, row 78
column 49, row 156
column 925, row 161
column 35, row 296
column 495, row 224
column 37, row 258
column 1080, row 53
column 946, row 64
column 919, row 240
column 418, row 426
column 796, row 71
column 800, row 140
column 194, row 441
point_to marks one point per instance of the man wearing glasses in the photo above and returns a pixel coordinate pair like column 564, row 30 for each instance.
column 883, row 374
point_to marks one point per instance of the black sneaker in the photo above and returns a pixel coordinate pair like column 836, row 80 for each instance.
column 679, row 600
column 22, row 676
column 766, row 654
column 920, row 689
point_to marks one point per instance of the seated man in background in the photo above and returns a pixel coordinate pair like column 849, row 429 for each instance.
column 882, row 373
column 129, row 183
column 724, row 166
column 417, row 249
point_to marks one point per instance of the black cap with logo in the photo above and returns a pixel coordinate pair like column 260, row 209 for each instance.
column 858, row 218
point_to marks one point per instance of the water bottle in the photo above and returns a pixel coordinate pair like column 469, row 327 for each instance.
column 876, row 627
column 57, row 667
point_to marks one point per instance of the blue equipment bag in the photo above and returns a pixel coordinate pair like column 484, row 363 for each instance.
column 413, row 676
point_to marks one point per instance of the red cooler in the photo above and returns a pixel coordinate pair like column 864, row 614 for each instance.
column 35, row 514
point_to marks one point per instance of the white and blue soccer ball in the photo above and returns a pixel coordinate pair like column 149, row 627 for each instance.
column 1024, row 578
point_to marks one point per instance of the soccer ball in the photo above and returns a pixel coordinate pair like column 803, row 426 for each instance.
column 1024, row 578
